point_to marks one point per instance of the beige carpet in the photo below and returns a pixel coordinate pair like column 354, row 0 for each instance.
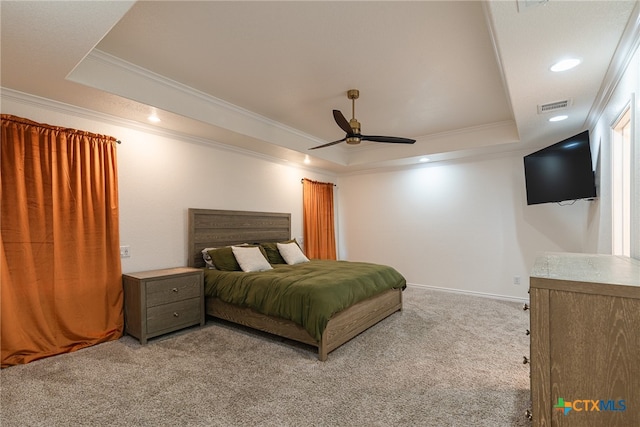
column 446, row 360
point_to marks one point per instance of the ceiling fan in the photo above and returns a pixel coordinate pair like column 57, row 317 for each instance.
column 352, row 127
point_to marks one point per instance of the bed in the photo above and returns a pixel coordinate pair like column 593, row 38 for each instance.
column 210, row 228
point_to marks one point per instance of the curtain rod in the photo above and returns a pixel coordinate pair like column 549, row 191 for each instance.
column 302, row 182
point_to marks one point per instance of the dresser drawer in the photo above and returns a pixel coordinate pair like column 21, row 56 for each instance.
column 172, row 289
column 168, row 317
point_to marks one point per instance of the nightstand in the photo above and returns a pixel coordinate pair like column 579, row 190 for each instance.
column 161, row 301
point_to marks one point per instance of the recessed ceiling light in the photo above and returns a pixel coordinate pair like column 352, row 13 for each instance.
column 558, row 118
column 565, row 64
column 307, row 160
column 423, row 159
column 153, row 118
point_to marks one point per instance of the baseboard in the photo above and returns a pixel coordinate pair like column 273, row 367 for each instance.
column 472, row 293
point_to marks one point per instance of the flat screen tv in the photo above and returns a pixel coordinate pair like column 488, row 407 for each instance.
column 560, row 172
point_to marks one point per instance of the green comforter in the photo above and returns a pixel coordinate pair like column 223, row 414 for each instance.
column 308, row 294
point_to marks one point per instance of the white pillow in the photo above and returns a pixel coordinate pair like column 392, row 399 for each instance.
column 207, row 258
column 291, row 253
column 250, row 258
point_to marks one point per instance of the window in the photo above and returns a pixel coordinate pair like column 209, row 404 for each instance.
column 621, row 184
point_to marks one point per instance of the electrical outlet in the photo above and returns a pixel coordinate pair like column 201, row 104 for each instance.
column 516, row 280
column 125, row 251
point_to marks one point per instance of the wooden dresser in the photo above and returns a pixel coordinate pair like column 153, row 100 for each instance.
column 585, row 340
column 160, row 301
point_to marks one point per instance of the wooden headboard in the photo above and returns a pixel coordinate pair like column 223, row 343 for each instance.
column 210, row 228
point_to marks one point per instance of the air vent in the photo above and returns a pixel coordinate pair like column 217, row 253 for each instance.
column 553, row 106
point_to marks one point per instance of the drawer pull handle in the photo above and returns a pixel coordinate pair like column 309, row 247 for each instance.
column 525, row 360
column 176, row 314
column 525, row 307
column 175, row 289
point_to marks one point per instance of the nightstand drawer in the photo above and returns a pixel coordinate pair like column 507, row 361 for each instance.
column 168, row 317
column 172, row 289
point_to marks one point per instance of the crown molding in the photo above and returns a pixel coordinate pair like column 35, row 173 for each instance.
column 112, row 61
column 72, row 110
column 110, row 74
column 623, row 55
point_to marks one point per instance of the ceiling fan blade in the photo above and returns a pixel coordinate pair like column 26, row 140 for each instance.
column 392, row 139
column 329, row 144
column 342, row 122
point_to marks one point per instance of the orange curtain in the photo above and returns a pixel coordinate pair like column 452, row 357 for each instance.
column 318, row 219
column 61, row 286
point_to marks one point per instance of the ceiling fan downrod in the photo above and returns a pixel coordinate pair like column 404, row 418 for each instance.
column 353, row 94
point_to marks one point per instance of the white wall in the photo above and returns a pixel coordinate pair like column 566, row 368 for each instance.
column 462, row 225
column 160, row 177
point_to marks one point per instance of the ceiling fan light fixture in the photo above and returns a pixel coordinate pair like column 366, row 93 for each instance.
column 355, row 125
column 352, row 140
